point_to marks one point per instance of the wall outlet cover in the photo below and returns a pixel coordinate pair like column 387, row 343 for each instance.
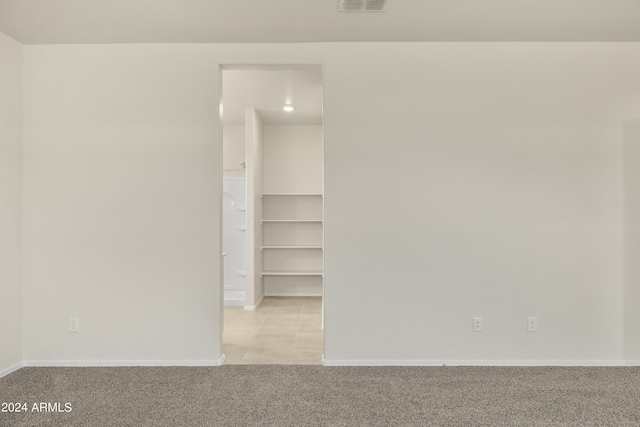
column 477, row 324
column 74, row 324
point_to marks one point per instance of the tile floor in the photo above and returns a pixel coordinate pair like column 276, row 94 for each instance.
column 281, row 331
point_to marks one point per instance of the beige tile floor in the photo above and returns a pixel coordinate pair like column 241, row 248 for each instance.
column 281, row 331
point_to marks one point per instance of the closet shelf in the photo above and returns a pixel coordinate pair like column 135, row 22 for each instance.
column 242, row 208
column 291, row 247
column 291, row 220
column 293, row 273
column 243, row 228
column 292, row 194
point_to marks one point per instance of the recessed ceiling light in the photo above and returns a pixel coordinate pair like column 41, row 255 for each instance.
column 288, row 108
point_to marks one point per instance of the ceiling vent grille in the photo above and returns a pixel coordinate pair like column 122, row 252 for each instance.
column 364, row 5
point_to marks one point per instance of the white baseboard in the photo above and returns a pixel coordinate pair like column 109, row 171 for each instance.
column 294, row 294
column 253, row 307
column 293, row 286
column 11, row 369
column 234, row 297
column 325, row 362
column 524, row 362
column 114, row 363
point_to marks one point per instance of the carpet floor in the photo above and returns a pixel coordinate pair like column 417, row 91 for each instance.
column 275, row 395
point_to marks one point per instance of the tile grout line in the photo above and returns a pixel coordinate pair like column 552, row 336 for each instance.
column 297, row 331
column 255, row 333
column 269, row 310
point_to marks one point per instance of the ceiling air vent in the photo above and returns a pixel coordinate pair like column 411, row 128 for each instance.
column 364, row 5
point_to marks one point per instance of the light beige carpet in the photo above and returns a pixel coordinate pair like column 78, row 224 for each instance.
column 261, row 395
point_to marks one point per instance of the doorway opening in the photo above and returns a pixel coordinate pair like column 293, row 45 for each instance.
column 273, row 213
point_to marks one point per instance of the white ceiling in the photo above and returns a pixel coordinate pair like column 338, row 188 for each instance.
column 236, row 21
column 268, row 91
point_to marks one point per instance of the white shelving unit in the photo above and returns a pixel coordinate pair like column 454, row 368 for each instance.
column 292, row 234
column 285, row 209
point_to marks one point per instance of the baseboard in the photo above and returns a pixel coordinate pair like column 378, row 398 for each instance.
column 524, row 362
column 293, row 286
column 325, row 362
column 115, row 363
column 294, row 294
column 253, row 307
column 11, row 369
column 234, row 297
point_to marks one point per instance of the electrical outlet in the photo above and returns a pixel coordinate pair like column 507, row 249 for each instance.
column 532, row 324
column 74, row 324
column 477, row 324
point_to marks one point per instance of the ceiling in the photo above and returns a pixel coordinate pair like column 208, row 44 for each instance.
column 239, row 21
column 268, row 90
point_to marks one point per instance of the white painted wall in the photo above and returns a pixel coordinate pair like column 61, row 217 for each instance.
column 632, row 240
column 471, row 180
column 254, row 148
column 122, row 202
column 462, row 179
column 10, row 202
column 233, row 151
column 293, row 159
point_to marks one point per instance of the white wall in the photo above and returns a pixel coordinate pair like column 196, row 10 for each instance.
column 632, row 240
column 254, row 148
column 122, row 197
column 293, row 159
column 233, row 151
column 461, row 180
column 471, row 180
column 10, row 202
